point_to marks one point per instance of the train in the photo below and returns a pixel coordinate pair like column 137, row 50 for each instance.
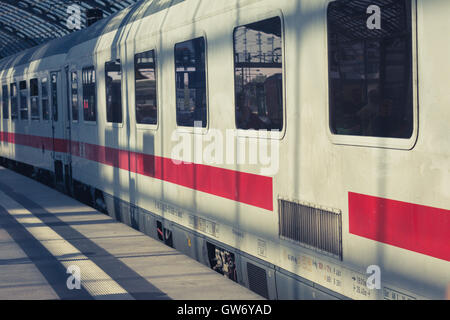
column 297, row 147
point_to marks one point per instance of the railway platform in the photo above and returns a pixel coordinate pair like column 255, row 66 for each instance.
column 54, row 247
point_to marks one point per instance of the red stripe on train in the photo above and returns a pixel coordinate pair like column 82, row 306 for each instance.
column 238, row 186
column 251, row 189
column 34, row 141
column 405, row 225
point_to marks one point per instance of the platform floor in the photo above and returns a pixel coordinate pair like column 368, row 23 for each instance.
column 44, row 232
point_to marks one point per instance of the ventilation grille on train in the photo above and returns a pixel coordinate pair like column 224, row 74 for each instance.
column 257, row 280
column 311, row 226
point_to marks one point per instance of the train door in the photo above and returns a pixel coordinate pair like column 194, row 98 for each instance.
column 58, row 130
column 68, row 132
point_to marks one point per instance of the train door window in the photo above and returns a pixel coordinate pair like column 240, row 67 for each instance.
column 54, row 94
column 370, row 68
column 44, row 99
column 23, row 93
column 74, row 95
column 89, row 94
column 258, row 71
column 14, row 102
column 34, row 99
column 145, row 86
column 113, row 79
column 190, row 72
column 5, row 102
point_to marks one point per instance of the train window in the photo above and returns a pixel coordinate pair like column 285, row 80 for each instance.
column 74, row 92
column 23, row 93
column 190, row 72
column 54, row 94
column 5, row 102
column 258, row 71
column 113, row 76
column 14, row 102
column 44, row 99
column 145, row 84
column 370, row 68
column 34, row 99
column 89, row 94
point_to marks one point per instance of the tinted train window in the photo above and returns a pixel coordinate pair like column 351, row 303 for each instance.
column 89, row 96
column 44, row 99
column 113, row 76
column 74, row 94
column 190, row 70
column 146, row 97
column 23, row 100
column 34, row 99
column 54, row 93
column 370, row 68
column 258, row 71
column 14, row 102
column 5, row 102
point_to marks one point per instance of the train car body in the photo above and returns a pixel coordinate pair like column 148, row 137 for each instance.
column 330, row 214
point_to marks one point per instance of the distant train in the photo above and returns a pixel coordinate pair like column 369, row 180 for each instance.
column 323, row 126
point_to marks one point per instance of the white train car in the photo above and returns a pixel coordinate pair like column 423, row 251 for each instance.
column 299, row 147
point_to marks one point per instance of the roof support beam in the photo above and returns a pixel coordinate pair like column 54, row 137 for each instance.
column 32, row 12
column 27, row 23
column 95, row 4
column 10, row 45
column 15, row 34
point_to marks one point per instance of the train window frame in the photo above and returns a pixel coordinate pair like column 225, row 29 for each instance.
column 71, row 72
column 43, row 83
column 5, row 97
column 148, row 126
column 38, row 96
column 179, row 40
column 25, row 97
column 370, row 141
column 90, row 122
column 12, row 84
column 250, row 17
column 122, row 78
column 54, row 112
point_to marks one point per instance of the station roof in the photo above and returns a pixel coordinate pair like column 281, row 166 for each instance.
column 28, row 23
